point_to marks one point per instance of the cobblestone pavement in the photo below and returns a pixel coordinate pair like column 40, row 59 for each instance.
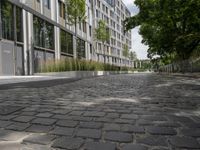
column 120, row 112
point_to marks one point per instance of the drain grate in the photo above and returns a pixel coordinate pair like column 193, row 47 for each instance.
column 6, row 110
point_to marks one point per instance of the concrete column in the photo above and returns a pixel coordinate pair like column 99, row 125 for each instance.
column 57, row 46
column 30, row 41
column 74, row 46
column 54, row 10
column 41, row 7
column 25, row 45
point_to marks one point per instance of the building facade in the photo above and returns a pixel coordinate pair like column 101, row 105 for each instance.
column 33, row 32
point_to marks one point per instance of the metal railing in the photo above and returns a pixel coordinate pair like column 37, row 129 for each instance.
column 182, row 66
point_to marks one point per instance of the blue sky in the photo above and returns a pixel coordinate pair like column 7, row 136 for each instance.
column 137, row 46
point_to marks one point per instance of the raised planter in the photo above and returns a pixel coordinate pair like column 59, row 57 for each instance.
column 82, row 74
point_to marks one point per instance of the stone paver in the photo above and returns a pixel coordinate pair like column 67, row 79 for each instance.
column 89, row 133
column 153, row 141
column 134, row 147
column 63, row 131
column 39, row 128
column 119, row 112
column 161, row 130
column 24, row 119
column 99, row 146
column 91, row 125
column 39, row 139
column 134, row 129
column 184, row 142
column 191, row 132
column 7, row 135
column 118, row 137
column 67, row 123
column 44, row 121
column 68, row 143
column 18, row 126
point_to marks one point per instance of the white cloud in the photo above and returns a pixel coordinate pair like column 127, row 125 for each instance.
column 137, row 46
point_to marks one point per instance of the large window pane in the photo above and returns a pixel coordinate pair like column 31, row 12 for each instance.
column 66, row 42
column 19, row 26
column 7, row 20
column 80, row 48
column 38, row 31
column 43, row 33
column 49, row 36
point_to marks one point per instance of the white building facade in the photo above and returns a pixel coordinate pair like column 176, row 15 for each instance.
column 35, row 31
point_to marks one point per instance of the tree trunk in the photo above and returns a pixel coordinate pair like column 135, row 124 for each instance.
column 104, row 53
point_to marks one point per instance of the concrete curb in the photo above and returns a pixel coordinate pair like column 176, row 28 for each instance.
column 82, row 74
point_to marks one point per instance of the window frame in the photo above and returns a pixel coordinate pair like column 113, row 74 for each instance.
column 0, row 23
column 66, row 35
column 45, row 25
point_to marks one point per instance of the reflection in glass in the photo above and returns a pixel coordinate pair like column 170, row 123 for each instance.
column 66, row 42
column 43, row 33
column 80, row 48
column 7, row 20
column 19, row 26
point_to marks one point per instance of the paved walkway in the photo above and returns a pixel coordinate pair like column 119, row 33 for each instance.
column 119, row 112
column 24, row 79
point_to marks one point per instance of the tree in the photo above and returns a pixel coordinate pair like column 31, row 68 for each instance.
column 75, row 12
column 102, row 34
column 133, row 55
column 171, row 28
column 126, row 51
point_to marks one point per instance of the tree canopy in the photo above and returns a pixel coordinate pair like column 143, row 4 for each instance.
column 171, row 28
column 101, row 32
column 75, row 10
column 133, row 55
column 126, row 51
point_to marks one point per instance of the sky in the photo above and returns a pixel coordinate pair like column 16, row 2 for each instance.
column 137, row 46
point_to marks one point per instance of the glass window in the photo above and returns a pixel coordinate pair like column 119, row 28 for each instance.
column 61, row 9
column 19, row 26
column 66, row 40
column 49, row 35
column 46, row 3
column 90, row 30
column 7, row 20
column 84, row 27
column 43, row 33
column 80, row 48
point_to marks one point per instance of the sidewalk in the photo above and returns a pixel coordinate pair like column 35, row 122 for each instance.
column 23, row 79
column 192, row 75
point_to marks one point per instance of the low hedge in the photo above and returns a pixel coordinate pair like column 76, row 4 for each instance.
column 78, row 65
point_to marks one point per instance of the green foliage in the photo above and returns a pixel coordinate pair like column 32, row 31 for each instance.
column 78, row 65
column 171, row 28
column 133, row 55
column 126, row 51
column 101, row 32
column 75, row 10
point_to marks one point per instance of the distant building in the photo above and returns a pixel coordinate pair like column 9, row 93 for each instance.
column 35, row 31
